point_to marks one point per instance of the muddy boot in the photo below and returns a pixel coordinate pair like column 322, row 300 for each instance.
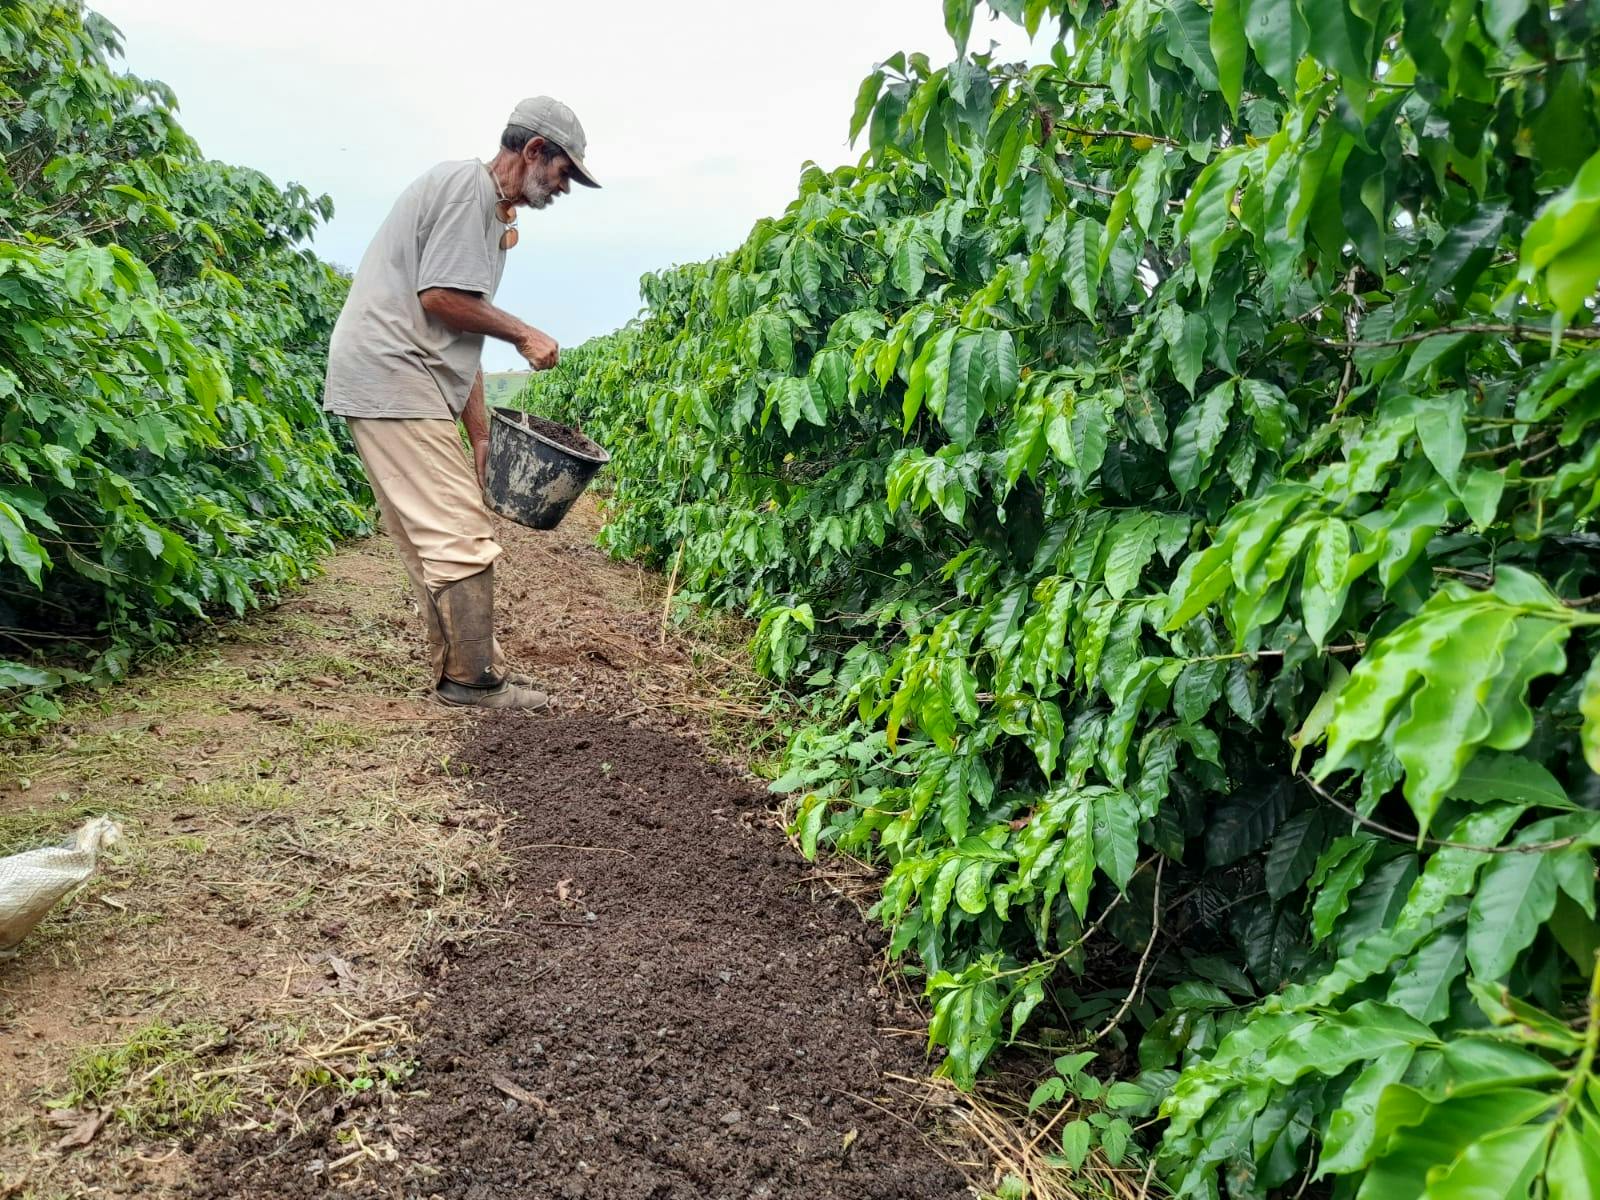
column 473, row 674
column 519, row 678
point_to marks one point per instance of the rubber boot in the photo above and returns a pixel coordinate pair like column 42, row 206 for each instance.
column 473, row 675
column 436, row 642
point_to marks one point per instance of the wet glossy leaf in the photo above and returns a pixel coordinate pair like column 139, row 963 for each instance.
column 1198, row 434
column 1295, row 849
column 1515, row 897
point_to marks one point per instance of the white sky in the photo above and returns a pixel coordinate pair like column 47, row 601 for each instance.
column 699, row 115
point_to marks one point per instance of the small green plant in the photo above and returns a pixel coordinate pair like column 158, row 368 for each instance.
column 1103, row 1123
column 362, row 1077
column 157, row 1081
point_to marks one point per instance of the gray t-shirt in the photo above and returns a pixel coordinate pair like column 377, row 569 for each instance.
column 389, row 358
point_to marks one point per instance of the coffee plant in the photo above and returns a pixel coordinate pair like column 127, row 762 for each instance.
column 1166, row 478
column 162, row 333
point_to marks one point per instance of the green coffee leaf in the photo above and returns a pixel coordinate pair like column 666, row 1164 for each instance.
column 1327, row 579
column 1351, row 1128
column 1515, row 897
column 1116, row 835
column 1500, row 1165
column 797, row 400
column 1452, row 706
column 1334, row 884
column 1480, row 496
column 1470, row 1065
column 1131, row 546
column 1198, row 434
column 1333, row 1043
column 1246, row 823
column 1295, row 850
column 20, row 545
column 1228, row 50
column 1573, row 1172
column 1210, row 201
column 1277, row 35
column 1267, row 409
column 866, row 98
column 1489, row 778
column 1453, row 870
column 1559, row 251
column 1589, row 707
column 1083, row 264
column 1338, row 36
column 1185, row 335
column 1422, row 987
column 1414, row 1135
column 1441, row 426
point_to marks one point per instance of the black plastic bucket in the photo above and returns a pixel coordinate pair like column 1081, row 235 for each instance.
column 536, row 467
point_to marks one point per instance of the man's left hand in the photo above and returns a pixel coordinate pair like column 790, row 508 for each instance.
column 480, row 457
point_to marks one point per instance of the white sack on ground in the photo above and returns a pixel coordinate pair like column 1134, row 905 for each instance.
column 32, row 882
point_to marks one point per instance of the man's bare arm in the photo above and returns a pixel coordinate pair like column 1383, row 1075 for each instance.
column 476, row 418
column 471, row 313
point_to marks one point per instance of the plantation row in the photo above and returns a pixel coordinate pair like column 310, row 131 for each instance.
column 1165, row 482
column 162, row 343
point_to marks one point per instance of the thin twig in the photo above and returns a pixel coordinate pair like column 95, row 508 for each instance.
column 1545, row 453
column 1088, row 187
column 1412, row 840
column 1458, row 573
column 1348, row 377
column 1144, row 959
column 1174, row 205
column 1346, row 648
column 672, row 586
column 1045, row 1132
column 1512, row 447
column 1583, row 334
column 1085, row 131
column 1083, row 939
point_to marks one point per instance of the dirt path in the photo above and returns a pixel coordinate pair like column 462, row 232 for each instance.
column 626, row 989
column 665, row 1013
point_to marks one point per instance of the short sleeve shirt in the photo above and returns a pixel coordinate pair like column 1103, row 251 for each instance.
column 387, row 356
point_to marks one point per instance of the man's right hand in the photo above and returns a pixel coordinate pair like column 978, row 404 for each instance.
column 539, row 349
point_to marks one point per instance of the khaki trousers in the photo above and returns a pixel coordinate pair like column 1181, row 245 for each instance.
column 427, row 491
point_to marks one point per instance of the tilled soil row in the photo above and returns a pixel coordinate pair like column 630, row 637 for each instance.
column 666, row 1013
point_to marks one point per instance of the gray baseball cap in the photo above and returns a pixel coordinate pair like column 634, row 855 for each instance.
column 558, row 124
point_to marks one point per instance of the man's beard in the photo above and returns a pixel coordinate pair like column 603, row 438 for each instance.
column 536, row 191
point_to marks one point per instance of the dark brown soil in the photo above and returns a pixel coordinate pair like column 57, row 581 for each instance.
column 561, row 435
column 667, row 1014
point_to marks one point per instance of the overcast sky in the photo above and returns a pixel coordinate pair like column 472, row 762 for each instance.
column 699, row 115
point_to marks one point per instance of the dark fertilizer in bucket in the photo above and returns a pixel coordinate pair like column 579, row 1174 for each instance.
column 536, row 467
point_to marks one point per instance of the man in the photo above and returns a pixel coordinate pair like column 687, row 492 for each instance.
column 403, row 366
